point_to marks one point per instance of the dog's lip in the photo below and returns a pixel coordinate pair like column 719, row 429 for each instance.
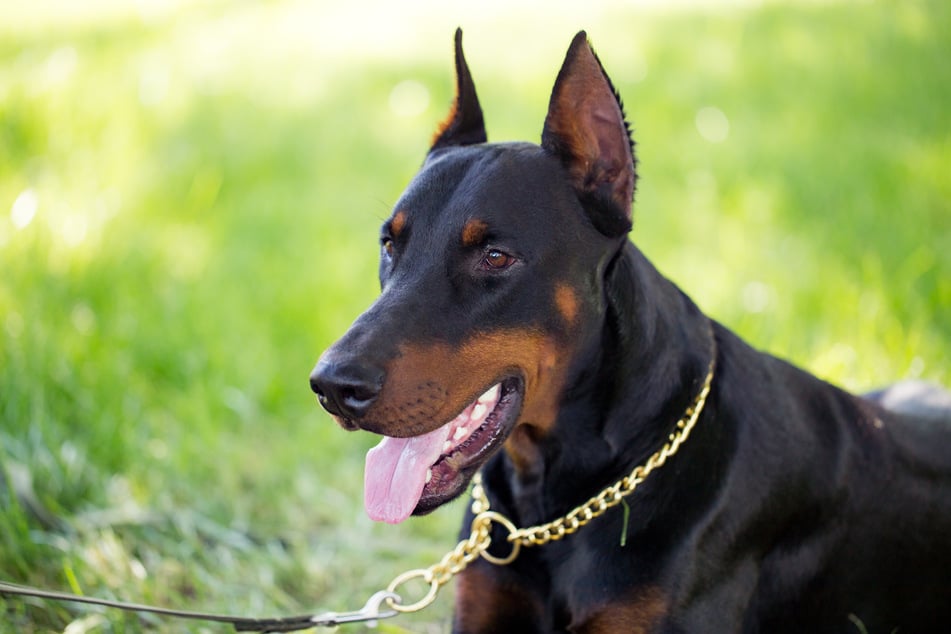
column 452, row 471
column 416, row 473
column 346, row 423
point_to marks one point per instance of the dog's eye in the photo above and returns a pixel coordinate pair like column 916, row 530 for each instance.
column 387, row 244
column 495, row 260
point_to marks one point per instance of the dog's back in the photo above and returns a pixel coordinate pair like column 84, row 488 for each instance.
column 849, row 527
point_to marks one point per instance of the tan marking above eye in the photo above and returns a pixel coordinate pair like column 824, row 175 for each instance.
column 398, row 223
column 473, row 233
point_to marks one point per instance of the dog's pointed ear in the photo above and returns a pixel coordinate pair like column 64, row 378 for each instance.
column 585, row 128
column 464, row 125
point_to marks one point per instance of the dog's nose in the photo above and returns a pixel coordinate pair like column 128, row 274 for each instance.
column 346, row 390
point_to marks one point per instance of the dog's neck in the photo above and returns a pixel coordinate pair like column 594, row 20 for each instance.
column 656, row 349
column 652, row 338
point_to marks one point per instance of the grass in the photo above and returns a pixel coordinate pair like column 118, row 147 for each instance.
column 189, row 201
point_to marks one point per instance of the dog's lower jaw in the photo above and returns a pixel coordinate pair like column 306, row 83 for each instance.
column 345, row 423
column 451, row 473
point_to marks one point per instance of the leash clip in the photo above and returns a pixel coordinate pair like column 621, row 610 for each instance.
column 370, row 613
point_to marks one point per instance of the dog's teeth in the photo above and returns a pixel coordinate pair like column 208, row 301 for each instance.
column 446, row 446
column 479, row 411
column 490, row 394
column 429, row 475
column 460, row 433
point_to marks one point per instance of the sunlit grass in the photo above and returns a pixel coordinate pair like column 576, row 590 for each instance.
column 189, row 203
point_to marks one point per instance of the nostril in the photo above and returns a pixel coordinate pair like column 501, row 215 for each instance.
column 315, row 385
column 346, row 390
column 357, row 394
column 316, row 389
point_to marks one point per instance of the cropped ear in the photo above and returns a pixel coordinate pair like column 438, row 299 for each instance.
column 464, row 125
column 585, row 128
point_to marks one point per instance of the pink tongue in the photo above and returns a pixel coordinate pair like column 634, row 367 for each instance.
column 396, row 473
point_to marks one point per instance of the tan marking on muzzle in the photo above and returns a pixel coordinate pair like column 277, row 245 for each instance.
column 428, row 385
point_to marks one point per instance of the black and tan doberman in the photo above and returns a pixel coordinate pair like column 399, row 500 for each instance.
column 521, row 334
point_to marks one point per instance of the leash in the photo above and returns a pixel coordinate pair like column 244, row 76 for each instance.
column 452, row 563
column 370, row 613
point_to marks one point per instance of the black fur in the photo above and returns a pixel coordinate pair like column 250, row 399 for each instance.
column 794, row 507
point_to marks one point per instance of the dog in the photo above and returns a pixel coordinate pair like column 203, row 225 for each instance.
column 520, row 333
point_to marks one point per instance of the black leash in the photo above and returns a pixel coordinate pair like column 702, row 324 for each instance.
column 369, row 613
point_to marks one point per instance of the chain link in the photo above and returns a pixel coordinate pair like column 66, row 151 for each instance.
column 452, row 563
column 480, row 537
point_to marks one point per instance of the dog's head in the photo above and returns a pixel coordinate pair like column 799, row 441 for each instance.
column 491, row 268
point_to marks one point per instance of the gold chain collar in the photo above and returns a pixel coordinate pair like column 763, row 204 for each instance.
column 479, row 540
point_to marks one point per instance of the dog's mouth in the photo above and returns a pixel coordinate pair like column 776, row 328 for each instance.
column 406, row 476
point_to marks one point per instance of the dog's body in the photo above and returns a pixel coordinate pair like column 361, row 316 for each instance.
column 515, row 308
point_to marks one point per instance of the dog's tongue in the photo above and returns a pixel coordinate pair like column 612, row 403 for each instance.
column 396, row 473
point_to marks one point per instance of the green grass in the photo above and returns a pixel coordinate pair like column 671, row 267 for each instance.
column 207, row 186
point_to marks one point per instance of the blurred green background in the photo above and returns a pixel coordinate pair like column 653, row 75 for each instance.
column 189, row 202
